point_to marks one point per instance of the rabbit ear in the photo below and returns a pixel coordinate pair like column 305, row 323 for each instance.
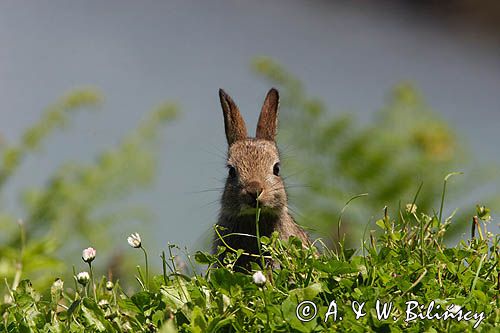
column 233, row 121
column 267, row 126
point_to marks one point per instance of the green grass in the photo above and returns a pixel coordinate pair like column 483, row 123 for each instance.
column 405, row 260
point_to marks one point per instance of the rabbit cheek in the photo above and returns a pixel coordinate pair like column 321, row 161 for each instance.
column 273, row 202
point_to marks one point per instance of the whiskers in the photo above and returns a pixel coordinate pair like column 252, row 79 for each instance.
column 279, row 185
column 214, row 189
column 216, row 152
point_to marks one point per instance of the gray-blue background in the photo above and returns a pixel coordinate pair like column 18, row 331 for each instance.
column 143, row 52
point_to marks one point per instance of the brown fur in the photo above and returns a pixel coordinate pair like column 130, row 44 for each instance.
column 253, row 179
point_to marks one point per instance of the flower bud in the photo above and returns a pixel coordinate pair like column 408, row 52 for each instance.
column 259, row 278
column 57, row 285
column 103, row 303
column 88, row 254
column 83, row 278
column 110, row 285
column 411, row 208
column 226, row 301
column 134, row 240
column 454, row 308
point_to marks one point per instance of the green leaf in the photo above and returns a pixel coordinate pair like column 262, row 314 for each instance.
column 219, row 322
column 381, row 224
column 168, row 327
column 290, row 304
column 198, row 322
column 204, row 258
column 127, row 304
column 176, row 295
column 142, row 300
column 335, row 267
column 94, row 315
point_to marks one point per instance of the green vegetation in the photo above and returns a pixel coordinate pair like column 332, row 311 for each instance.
column 408, row 262
column 400, row 159
column 79, row 201
column 405, row 147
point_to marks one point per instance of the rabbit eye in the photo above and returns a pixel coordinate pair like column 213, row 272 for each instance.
column 276, row 169
column 232, row 171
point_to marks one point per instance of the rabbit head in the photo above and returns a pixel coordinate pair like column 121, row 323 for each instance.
column 253, row 163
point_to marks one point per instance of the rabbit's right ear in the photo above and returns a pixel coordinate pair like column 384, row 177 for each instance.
column 233, row 121
column 267, row 125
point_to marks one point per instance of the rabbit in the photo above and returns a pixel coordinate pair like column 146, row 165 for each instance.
column 253, row 176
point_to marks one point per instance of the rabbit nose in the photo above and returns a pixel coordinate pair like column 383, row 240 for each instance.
column 254, row 189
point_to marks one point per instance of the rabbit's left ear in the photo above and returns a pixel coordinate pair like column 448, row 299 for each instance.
column 234, row 124
column 267, row 126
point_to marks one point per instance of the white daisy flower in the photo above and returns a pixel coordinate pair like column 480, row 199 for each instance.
column 134, row 240
column 259, row 278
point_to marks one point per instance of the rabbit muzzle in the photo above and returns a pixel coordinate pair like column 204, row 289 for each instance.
column 253, row 192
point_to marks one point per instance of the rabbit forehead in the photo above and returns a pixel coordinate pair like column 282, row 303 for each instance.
column 252, row 154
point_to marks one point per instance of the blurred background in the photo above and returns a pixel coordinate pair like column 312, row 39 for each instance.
column 110, row 121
